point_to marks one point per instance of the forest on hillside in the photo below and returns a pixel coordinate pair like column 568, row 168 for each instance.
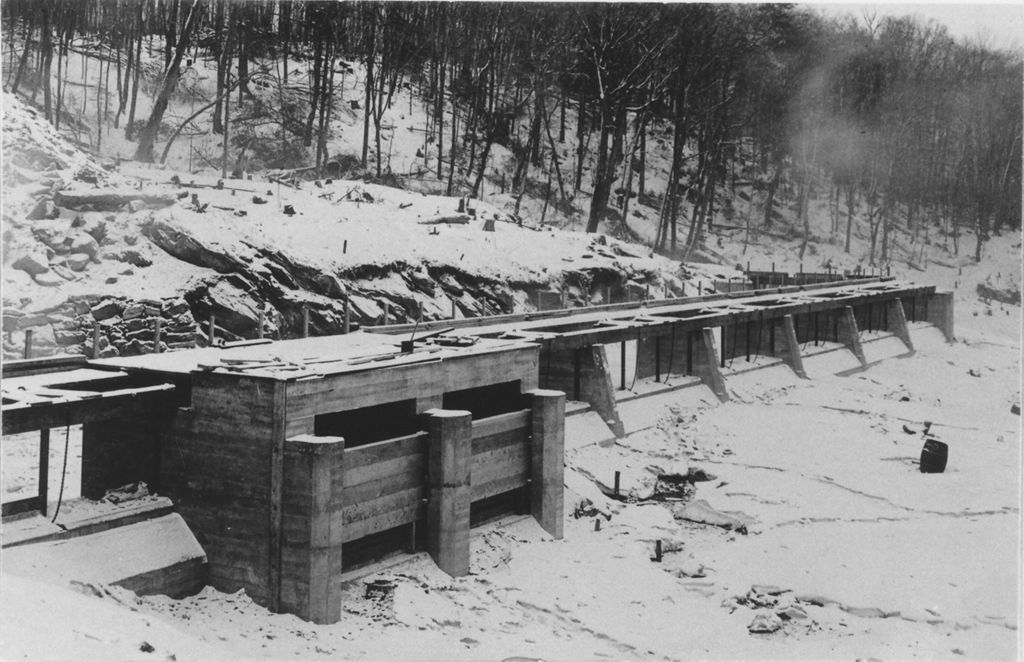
column 889, row 116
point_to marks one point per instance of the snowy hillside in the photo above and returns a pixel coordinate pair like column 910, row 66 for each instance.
column 804, row 530
column 85, row 240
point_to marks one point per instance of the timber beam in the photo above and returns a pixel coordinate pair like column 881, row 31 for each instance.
column 59, row 412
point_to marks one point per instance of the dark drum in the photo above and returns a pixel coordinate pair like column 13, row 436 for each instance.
column 934, row 456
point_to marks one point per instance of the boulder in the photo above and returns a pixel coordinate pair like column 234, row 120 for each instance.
column 183, row 246
column 1008, row 295
column 43, row 209
column 133, row 257
column 78, row 261
column 82, row 242
column 49, row 279
column 135, row 347
column 68, row 336
column 51, row 232
column 701, row 512
column 106, row 309
column 92, row 223
column 765, row 624
column 792, row 613
column 33, row 263
column 133, row 310
column 174, row 308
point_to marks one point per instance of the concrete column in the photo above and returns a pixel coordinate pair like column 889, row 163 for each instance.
column 312, row 504
column 449, row 463
column 897, row 323
column 583, row 374
column 849, row 334
column 705, row 362
column 596, row 387
column 940, row 313
column 547, row 460
column 790, row 349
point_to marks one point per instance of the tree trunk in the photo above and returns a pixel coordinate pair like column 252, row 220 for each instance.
column 602, row 185
column 46, row 49
column 129, row 131
column 371, row 33
column 850, row 202
column 144, row 152
column 772, row 186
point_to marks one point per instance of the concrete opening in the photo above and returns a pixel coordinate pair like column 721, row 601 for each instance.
column 513, row 502
column 383, row 544
column 366, row 425
column 486, row 401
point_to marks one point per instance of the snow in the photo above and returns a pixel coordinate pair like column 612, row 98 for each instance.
column 887, row 563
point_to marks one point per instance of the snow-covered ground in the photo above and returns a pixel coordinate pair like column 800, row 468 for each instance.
column 868, row 557
column 864, row 556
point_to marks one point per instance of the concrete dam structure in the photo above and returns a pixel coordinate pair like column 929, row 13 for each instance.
column 294, row 461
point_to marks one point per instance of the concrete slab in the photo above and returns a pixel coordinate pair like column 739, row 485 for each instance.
column 587, row 429
column 643, row 413
column 150, row 557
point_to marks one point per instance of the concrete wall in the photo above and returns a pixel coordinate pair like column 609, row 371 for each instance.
column 216, row 467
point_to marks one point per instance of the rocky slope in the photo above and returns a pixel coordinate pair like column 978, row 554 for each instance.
column 105, row 251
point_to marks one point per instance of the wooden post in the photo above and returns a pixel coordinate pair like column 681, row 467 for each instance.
column 305, row 321
column 347, row 324
column 607, row 294
column 44, row 469
column 453, row 308
column 420, row 313
column 156, row 335
column 259, row 324
column 622, row 365
column 211, row 333
column 28, row 343
column 449, row 462
column 547, row 459
column 95, row 340
column 386, row 311
column 565, row 297
column 615, row 489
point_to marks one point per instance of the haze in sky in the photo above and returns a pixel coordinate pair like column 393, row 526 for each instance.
column 998, row 25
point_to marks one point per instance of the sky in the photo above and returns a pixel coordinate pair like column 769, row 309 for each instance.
column 1000, row 25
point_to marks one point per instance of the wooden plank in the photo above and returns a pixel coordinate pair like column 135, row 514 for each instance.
column 389, row 484
column 501, row 440
column 387, row 520
column 500, row 423
column 42, row 365
column 383, row 451
column 500, row 485
column 123, row 403
column 503, row 462
column 351, row 391
column 355, row 512
column 20, row 506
